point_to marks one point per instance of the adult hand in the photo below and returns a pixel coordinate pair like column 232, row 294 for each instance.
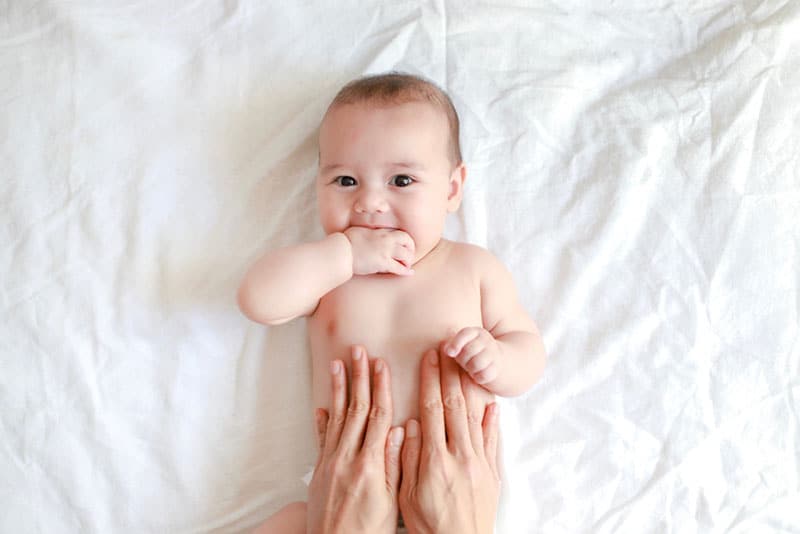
column 380, row 250
column 451, row 481
column 355, row 482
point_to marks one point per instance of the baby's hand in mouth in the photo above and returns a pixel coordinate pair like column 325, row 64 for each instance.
column 381, row 250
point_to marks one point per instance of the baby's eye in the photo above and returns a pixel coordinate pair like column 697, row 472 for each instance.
column 402, row 180
column 345, row 181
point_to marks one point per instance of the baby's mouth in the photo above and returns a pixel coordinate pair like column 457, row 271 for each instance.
column 374, row 226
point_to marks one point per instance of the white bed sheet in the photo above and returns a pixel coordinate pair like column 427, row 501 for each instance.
column 634, row 164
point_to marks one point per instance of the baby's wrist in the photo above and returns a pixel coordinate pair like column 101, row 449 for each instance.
column 344, row 245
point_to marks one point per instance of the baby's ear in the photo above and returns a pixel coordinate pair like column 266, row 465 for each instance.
column 456, row 187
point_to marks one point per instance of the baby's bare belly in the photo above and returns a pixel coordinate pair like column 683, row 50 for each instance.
column 395, row 320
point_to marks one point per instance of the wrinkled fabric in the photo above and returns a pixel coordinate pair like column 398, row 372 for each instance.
column 634, row 165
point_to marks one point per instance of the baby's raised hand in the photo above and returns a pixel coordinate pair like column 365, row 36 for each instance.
column 381, row 250
column 476, row 351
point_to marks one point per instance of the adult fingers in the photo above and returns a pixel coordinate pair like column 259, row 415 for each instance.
column 455, row 409
column 321, row 419
column 357, row 410
column 322, row 424
column 380, row 414
column 410, row 457
column 490, row 433
column 475, row 412
column 430, row 402
column 338, row 407
column 392, row 454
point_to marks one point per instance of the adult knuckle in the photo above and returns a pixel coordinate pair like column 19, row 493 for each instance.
column 364, row 465
column 357, row 407
column 474, row 470
column 432, row 455
column 432, row 405
column 339, row 418
column 378, row 413
column 454, row 401
column 474, row 418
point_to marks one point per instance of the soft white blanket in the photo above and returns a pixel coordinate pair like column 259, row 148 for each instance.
column 636, row 165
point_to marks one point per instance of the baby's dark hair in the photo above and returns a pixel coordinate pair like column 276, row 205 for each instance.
column 400, row 88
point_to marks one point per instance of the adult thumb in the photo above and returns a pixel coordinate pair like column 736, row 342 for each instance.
column 393, row 444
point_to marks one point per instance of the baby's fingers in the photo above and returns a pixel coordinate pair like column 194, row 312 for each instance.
column 404, row 240
column 454, row 347
column 403, row 255
column 395, row 267
column 485, row 375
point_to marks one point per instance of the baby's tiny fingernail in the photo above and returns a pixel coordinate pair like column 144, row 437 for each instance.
column 334, row 367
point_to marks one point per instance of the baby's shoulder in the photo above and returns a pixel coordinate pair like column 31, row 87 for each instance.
column 473, row 256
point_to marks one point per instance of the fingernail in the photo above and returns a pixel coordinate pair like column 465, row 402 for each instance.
column 357, row 353
column 378, row 366
column 413, row 428
column 334, row 367
column 396, row 436
column 433, row 358
column 451, row 351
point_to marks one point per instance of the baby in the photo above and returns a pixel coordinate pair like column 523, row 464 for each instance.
column 390, row 171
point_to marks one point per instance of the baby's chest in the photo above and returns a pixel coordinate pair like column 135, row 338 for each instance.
column 394, row 319
column 392, row 316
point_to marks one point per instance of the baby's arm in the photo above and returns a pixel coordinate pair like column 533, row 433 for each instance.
column 506, row 356
column 289, row 282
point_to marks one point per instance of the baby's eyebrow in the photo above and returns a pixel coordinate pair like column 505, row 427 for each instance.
column 331, row 167
column 409, row 166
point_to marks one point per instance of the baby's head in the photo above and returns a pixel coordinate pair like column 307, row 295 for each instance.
column 389, row 157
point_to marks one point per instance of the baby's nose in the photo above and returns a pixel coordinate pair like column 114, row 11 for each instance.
column 370, row 201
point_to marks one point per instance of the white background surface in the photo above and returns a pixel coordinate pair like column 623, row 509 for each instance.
column 635, row 164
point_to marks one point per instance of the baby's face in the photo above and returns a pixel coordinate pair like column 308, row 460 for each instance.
column 387, row 167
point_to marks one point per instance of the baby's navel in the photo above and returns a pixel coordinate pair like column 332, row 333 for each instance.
column 330, row 327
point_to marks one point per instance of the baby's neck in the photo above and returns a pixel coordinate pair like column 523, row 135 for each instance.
column 434, row 255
